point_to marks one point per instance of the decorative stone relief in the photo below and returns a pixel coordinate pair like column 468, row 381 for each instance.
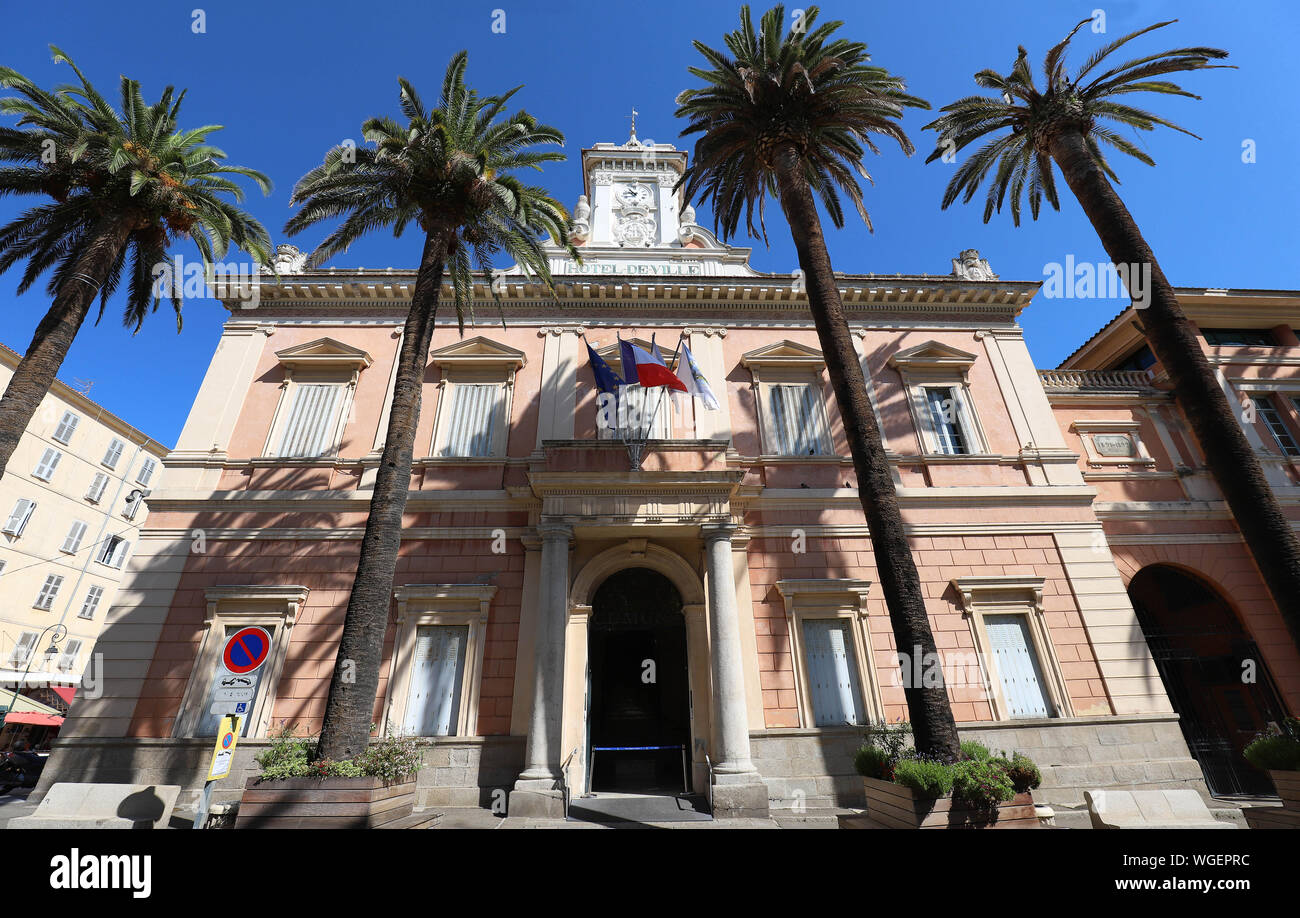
column 288, row 259
column 969, row 266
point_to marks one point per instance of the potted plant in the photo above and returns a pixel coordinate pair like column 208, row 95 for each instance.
column 906, row 790
column 292, row 790
column 1277, row 751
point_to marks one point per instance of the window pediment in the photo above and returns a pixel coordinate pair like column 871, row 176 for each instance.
column 323, row 354
column 933, row 356
column 477, row 352
column 784, row 354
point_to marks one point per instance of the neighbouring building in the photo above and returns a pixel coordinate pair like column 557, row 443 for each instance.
column 555, row 605
column 71, row 509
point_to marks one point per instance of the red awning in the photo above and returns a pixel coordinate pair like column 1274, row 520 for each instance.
column 34, row 717
column 65, row 692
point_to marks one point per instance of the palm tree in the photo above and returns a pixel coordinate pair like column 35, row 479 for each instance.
column 448, row 170
column 1067, row 124
column 123, row 183
column 791, row 116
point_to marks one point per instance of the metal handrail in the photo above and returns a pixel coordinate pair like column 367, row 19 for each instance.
column 564, row 781
column 709, row 763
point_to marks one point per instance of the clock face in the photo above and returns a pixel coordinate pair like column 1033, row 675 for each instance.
column 635, row 194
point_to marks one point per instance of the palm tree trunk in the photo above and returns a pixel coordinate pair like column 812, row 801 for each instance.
column 355, row 683
column 1228, row 453
column 56, row 332
column 933, row 727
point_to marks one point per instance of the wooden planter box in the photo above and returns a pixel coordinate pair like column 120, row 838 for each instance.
column 323, row 803
column 1286, row 816
column 897, row 807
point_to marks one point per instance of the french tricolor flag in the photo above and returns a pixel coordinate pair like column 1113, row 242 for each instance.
column 641, row 366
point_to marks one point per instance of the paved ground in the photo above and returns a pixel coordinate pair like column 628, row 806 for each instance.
column 15, row 804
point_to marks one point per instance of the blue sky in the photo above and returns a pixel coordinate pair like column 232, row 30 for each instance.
column 290, row 79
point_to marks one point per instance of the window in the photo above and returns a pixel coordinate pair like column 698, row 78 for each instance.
column 114, row 453
column 273, row 609
column 70, row 654
column 835, row 680
column 637, row 413
column 113, row 551
column 19, row 516
column 73, row 542
column 832, row 673
column 935, row 376
column 1017, row 666
column 91, row 602
column 470, row 428
column 50, row 589
column 438, row 660
column 96, row 492
column 1239, row 337
column 2, row 566
column 146, row 472
column 22, row 652
column 49, row 462
column 946, row 420
column 67, row 426
column 1272, row 419
column 797, row 424
column 1141, row 359
column 437, row 675
column 310, row 429
column 1016, row 663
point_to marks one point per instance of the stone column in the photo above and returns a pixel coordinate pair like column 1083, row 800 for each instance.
column 537, row 792
column 738, row 791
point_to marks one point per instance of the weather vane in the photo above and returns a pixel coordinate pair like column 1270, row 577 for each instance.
column 634, row 114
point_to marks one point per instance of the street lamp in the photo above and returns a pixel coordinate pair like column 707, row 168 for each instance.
column 60, row 632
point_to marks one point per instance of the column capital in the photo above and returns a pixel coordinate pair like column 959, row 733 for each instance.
column 554, row 530
column 713, row 532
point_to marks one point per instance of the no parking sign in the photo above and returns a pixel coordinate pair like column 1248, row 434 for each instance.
column 246, row 650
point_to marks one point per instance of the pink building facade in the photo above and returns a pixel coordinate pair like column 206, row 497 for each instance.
column 556, row 607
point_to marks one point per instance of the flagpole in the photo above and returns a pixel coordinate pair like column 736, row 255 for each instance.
column 676, row 359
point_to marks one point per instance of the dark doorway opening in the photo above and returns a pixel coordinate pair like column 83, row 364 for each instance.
column 1207, row 661
column 639, row 692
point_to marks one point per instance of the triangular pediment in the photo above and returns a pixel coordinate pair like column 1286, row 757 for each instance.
column 478, row 351
column 783, row 353
column 324, row 353
column 932, row 355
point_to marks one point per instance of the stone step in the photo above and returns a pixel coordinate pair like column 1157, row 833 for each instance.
column 425, row 819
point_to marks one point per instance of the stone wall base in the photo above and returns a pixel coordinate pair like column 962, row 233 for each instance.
column 813, row 769
column 475, row 771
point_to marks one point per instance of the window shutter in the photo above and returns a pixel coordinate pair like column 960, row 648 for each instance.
column 49, row 462
column 146, row 471
column 433, row 702
column 1018, row 670
column 48, row 591
column 114, row 551
column 73, row 542
column 18, row 518
column 783, row 429
column 23, row 649
column 472, row 424
column 114, row 453
column 91, row 603
column 832, row 673
column 95, row 492
column 311, row 421
column 67, row 426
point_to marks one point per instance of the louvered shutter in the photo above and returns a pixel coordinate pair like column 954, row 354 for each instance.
column 1017, row 665
column 471, row 429
column 437, row 671
column 75, row 534
column 67, row 426
column 832, row 673
column 311, row 422
column 96, row 490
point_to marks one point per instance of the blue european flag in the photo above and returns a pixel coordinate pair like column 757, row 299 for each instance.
column 606, row 379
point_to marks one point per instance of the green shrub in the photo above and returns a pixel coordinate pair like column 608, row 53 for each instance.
column 929, row 779
column 883, row 748
column 1274, row 753
column 1024, row 774
column 981, row 785
column 874, row 762
column 392, row 759
column 975, row 751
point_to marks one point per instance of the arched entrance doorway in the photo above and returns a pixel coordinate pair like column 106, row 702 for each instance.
column 638, row 693
column 1207, row 661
